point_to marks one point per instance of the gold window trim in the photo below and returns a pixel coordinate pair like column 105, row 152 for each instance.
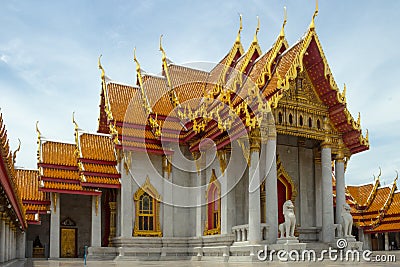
column 213, row 181
column 148, row 188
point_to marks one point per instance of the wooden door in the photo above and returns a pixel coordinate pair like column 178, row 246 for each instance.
column 68, row 242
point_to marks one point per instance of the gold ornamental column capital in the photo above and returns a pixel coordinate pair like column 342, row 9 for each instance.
column 340, row 154
column 255, row 140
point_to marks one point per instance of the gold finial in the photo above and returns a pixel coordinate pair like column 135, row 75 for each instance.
column 145, row 103
column 366, row 136
column 16, row 151
column 240, row 29
column 282, row 34
column 74, row 122
column 397, row 177
column 136, row 61
column 37, row 130
column 380, row 173
column 101, row 68
column 257, row 30
column 359, row 119
column 312, row 25
column 165, row 64
column 162, row 49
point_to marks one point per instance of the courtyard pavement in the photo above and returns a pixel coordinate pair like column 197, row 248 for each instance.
column 79, row 262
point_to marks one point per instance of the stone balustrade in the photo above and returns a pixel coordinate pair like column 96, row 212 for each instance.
column 241, row 232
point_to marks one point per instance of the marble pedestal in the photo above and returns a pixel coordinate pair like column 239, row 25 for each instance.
column 288, row 244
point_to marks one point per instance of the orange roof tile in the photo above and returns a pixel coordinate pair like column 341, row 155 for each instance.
column 61, row 174
column 360, row 193
column 125, row 98
column 394, row 208
column 28, row 183
column 96, row 147
column 58, row 153
column 99, row 168
column 102, row 180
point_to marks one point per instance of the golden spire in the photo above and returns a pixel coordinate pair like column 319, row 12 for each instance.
column 312, row 24
column 282, row 33
column 240, row 30
column 359, row 119
column 397, row 177
column 257, row 30
column 165, row 65
column 145, row 103
column 16, row 151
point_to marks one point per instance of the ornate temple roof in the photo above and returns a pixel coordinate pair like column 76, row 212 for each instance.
column 10, row 194
column 146, row 106
column 374, row 207
column 34, row 201
column 80, row 168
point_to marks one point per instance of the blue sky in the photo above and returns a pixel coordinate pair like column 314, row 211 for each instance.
column 49, row 51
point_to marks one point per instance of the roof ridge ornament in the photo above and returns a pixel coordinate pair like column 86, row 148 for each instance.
column 257, row 30
column 165, row 63
column 103, row 73
column 145, row 103
column 282, row 33
column 16, row 151
column 312, row 24
column 240, row 29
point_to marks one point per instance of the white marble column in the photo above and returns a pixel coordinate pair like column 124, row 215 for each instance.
column 318, row 191
column 340, row 187
column 200, row 207
column 2, row 237
column 11, row 251
column 367, row 242
column 7, row 242
column 271, row 189
column 327, row 198
column 126, row 210
column 254, row 235
column 55, row 225
column 168, row 212
column 20, row 240
column 387, row 241
column 95, row 240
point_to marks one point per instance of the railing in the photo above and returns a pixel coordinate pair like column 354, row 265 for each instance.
column 241, row 232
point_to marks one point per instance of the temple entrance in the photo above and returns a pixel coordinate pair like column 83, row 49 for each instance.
column 285, row 189
column 68, row 242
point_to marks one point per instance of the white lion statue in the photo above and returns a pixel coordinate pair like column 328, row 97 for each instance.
column 287, row 228
column 347, row 220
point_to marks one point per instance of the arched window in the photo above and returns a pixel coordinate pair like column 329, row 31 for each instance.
column 280, row 117
column 309, row 122
column 290, row 119
column 318, row 124
column 301, row 120
column 147, row 202
column 213, row 223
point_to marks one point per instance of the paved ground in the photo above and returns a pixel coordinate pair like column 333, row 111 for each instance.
column 71, row 263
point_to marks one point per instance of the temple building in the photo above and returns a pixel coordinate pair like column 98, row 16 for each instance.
column 195, row 164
